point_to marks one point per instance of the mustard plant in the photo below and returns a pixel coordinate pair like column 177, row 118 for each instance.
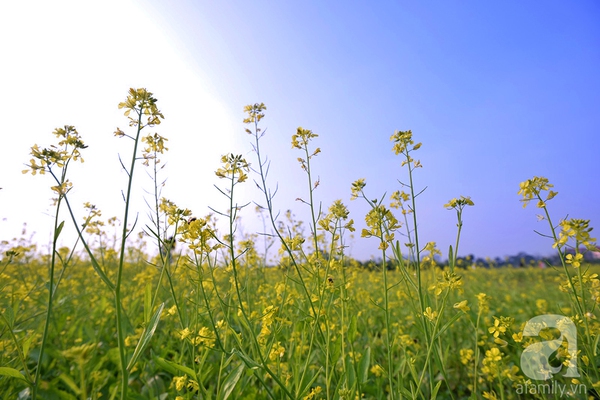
column 571, row 238
column 142, row 105
column 55, row 161
column 292, row 243
column 142, row 112
column 383, row 225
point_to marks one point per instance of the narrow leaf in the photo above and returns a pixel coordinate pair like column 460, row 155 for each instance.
column 27, row 345
column 250, row 363
column 147, row 303
column 13, row 373
column 9, row 317
column 174, row 368
column 146, row 336
column 447, row 325
column 58, row 230
column 363, row 366
column 435, row 390
column 352, row 329
column 231, row 380
column 350, row 373
column 70, row 383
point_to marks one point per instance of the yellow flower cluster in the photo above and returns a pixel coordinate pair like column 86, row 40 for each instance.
column 155, row 144
column 402, row 140
column 337, row 212
column 578, row 230
column 381, row 223
column 68, row 149
column 531, row 189
column 234, row 167
column 459, row 203
column 142, row 103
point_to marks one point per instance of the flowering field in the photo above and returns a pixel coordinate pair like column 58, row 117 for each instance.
column 208, row 319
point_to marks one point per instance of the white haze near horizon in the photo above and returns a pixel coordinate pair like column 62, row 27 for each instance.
column 71, row 63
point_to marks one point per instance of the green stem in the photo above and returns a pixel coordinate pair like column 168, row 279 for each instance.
column 232, row 217
column 386, row 305
column 311, row 201
column 51, row 283
column 118, row 298
column 459, row 224
column 269, row 200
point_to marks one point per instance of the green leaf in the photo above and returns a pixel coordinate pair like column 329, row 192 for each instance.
column 9, row 317
column 447, row 325
column 350, row 373
column 250, row 363
column 450, row 258
column 146, row 337
column 70, row 383
column 58, row 230
column 174, row 368
column 13, row 373
column 363, row 366
column 147, row 303
column 352, row 329
column 435, row 390
column 27, row 345
column 310, row 383
column 231, row 380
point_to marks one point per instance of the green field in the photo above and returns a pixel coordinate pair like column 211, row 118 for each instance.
column 207, row 318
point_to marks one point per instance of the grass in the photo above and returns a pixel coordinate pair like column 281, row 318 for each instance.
column 208, row 319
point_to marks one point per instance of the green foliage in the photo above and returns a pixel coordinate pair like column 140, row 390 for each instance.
column 210, row 320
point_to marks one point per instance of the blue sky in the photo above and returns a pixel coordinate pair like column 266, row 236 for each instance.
column 496, row 92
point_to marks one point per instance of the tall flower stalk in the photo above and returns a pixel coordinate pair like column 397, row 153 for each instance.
column 55, row 161
column 141, row 110
column 570, row 239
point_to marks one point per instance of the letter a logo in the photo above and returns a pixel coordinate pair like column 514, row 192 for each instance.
column 535, row 359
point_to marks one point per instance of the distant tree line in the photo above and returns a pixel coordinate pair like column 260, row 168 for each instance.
column 519, row 260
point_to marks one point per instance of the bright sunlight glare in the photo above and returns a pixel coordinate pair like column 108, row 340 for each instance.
column 71, row 63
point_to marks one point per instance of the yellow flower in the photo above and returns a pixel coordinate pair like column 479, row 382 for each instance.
column 63, row 188
column 575, row 261
column 518, row 337
column 278, row 351
column 234, row 167
column 498, row 329
column 185, row 333
column 403, row 139
column 313, row 392
column 577, row 229
column 172, row 310
column 459, row 203
column 431, row 315
column 466, row 355
column 462, row 306
column 255, row 113
column 142, row 102
column 493, row 355
column 179, row 382
column 531, row 189
column 377, row 370
column 357, row 188
column 483, row 301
